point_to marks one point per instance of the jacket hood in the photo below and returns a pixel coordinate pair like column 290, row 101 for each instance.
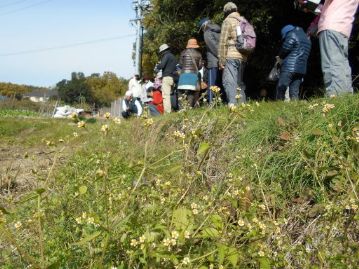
column 234, row 15
column 286, row 29
column 213, row 27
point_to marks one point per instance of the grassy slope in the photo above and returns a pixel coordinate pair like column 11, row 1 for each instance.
column 268, row 186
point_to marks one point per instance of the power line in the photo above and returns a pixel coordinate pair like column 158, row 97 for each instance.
column 26, row 7
column 12, row 3
column 66, row 46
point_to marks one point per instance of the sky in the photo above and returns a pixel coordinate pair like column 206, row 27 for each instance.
column 29, row 25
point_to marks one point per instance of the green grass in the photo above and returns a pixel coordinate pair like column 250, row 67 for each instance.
column 271, row 185
column 4, row 113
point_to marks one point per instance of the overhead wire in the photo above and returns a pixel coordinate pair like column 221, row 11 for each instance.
column 24, row 8
column 101, row 40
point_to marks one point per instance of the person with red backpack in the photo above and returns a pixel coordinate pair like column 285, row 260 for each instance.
column 236, row 43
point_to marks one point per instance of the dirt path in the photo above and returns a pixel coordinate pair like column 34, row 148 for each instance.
column 22, row 169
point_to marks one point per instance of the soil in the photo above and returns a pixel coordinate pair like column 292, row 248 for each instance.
column 21, row 170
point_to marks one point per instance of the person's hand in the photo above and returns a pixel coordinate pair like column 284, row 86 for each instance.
column 278, row 59
column 221, row 66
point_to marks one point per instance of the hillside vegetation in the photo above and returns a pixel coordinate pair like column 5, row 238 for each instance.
column 270, row 185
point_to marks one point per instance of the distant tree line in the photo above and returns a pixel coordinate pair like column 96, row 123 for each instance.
column 173, row 22
column 98, row 90
column 14, row 90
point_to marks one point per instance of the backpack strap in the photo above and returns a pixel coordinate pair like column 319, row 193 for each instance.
column 193, row 61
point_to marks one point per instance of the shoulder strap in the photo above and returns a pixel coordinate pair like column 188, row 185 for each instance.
column 193, row 61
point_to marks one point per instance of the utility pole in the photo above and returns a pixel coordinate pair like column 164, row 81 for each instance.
column 140, row 7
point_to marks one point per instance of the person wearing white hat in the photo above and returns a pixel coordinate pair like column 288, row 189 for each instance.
column 168, row 66
column 131, row 106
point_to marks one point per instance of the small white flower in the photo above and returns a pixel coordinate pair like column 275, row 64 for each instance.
column 186, row 261
column 175, row 235
column 142, row 239
column 18, row 225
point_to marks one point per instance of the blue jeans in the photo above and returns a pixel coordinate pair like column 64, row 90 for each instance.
column 291, row 80
column 153, row 110
column 233, row 80
column 212, row 81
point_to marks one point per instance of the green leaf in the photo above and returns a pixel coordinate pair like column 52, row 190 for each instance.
column 55, row 265
column 264, row 263
column 217, row 221
column 317, row 132
column 29, row 197
column 182, row 218
column 40, row 191
column 222, row 249
column 88, row 238
column 83, row 189
column 210, row 233
column 203, row 149
column 233, row 256
column 175, row 168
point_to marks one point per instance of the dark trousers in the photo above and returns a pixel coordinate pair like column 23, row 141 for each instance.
column 291, row 80
column 213, row 75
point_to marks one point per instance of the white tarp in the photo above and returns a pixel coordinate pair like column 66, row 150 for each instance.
column 66, row 111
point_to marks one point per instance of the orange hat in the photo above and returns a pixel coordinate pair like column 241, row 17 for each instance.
column 192, row 44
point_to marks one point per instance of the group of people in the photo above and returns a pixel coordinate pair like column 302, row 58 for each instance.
column 228, row 48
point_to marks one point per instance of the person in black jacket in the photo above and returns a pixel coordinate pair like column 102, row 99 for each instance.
column 294, row 55
column 211, row 35
column 168, row 66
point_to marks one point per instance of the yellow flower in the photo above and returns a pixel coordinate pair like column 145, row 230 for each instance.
column 79, row 220
column 311, row 107
column 148, row 122
column 356, row 134
column 75, row 134
column 215, row 89
column 117, row 120
column 105, row 128
column 107, row 115
column 187, row 234
column 328, row 107
column 81, row 124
